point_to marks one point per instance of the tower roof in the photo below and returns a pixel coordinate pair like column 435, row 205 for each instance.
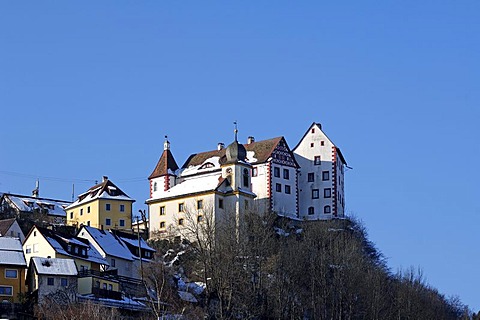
column 165, row 163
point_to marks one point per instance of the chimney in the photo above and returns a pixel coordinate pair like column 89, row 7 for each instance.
column 250, row 140
column 220, row 146
column 104, row 178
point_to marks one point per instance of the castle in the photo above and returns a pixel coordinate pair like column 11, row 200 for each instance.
column 306, row 183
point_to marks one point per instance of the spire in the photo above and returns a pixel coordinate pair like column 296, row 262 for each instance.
column 236, row 130
column 166, row 144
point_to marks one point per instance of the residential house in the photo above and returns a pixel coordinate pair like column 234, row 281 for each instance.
column 11, row 228
column 322, row 176
column 46, row 243
column 103, row 206
column 12, row 270
column 27, row 206
column 113, row 249
column 48, row 275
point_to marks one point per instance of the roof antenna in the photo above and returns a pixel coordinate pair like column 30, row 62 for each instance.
column 236, row 130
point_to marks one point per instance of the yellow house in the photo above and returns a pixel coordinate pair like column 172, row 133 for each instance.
column 103, row 206
column 12, row 269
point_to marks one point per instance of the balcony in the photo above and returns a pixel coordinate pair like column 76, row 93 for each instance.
column 106, row 294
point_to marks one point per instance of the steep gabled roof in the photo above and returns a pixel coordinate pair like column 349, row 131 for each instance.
column 28, row 204
column 319, row 126
column 60, row 241
column 54, row 266
column 110, row 244
column 11, row 252
column 104, row 190
column 5, row 225
column 165, row 164
column 261, row 151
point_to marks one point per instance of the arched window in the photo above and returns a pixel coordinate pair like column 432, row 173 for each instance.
column 311, row 210
column 327, row 210
column 154, row 186
column 245, row 178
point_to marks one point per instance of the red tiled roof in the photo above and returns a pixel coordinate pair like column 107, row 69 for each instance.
column 262, row 149
column 165, row 162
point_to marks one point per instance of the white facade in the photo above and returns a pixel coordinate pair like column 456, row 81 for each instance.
column 306, row 183
column 110, row 247
column 321, row 178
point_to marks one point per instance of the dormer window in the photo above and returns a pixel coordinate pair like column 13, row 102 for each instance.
column 207, row 165
column 154, row 187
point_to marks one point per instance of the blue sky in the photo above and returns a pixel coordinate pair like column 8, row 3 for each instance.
column 90, row 89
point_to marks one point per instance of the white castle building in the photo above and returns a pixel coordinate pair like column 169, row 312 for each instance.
column 306, row 183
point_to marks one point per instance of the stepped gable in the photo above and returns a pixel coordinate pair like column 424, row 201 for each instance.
column 262, row 151
column 165, row 163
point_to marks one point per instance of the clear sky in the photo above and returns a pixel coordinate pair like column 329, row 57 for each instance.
column 90, row 88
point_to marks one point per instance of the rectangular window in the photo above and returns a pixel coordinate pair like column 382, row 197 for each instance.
column 180, row 222
column 81, row 212
column 199, row 204
column 311, row 145
column 162, row 211
column 315, row 194
column 254, row 172
column 162, row 225
column 88, row 223
column 327, row 193
column 50, row 281
column 287, row 189
column 325, row 175
column 220, row 203
column 181, row 207
column 278, row 187
column 110, row 287
column 71, row 215
column 63, row 282
column 107, row 206
column 11, row 273
column 311, row 177
column 200, row 218
column 112, row 263
column 108, row 221
column 276, row 172
column 322, row 143
column 122, row 222
column 317, row 160
column 28, row 249
column 286, row 174
column 122, row 208
column 6, row 291
column 35, row 247
column 88, row 209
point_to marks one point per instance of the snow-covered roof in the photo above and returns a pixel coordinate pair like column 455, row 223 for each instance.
column 108, row 242
column 11, row 252
column 194, row 184
column 28, row 204
column 55, row 266
column 210, row 164
column 104, row 190
column 53, row 239
column 134, row 243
